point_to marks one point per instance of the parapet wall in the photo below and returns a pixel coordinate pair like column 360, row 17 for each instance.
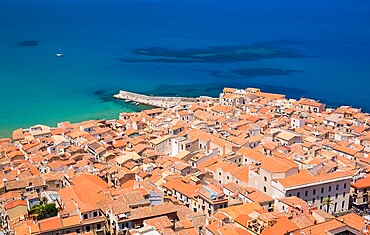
column 156, row 101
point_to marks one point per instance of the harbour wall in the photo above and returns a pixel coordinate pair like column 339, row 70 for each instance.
column 156, row 101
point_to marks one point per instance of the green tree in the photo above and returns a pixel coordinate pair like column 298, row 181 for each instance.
column 51, row 210
column 43, row 200
column 44, row 211
column 327, row 202
column 36, row 210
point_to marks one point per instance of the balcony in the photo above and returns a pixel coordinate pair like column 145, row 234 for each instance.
column 359, row 202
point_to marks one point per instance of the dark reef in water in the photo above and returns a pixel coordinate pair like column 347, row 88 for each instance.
column 100, row 92
column 253, row 72
column 29, row 43
column 217, row 54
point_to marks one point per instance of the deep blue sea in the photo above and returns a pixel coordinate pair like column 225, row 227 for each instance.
column 316, row 49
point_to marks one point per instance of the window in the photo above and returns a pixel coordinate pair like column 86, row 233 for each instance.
column 228, row 177
column 329, row 188
column 264, row 189
column 344, row 194
column 336, row 195
column 219, row 173
column 343, row 205
column 85, row 216
column 321, row 199
column 314, row 192
column 298, row 194
column 289, row 195
column 88, row 228
column 95, row 214
column 306, row 193
column 78, row 231
column 345, row 185
column 337, row 187
column 313, row 200
column 322, row 190
column 265, row 178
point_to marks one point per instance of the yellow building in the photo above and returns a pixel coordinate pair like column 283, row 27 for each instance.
column 16, row 209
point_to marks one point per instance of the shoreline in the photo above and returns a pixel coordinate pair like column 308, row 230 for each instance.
column 110, row 111
column 145, row 102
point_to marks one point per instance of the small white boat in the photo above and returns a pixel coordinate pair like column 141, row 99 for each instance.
column 137, row 103
column 59, row 54
column 127, row 101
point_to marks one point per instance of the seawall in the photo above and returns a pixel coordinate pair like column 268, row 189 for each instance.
column 156, row 101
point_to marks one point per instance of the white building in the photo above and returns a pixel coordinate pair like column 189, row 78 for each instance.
column 314, row 189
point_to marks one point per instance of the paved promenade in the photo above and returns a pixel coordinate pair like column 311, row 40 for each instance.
column 156, row 101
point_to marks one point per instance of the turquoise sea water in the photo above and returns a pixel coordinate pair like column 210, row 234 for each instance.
column 149, row 46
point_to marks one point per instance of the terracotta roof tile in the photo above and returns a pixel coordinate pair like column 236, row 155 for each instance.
column 277, row 164
column 53, row 223
column 362, row 183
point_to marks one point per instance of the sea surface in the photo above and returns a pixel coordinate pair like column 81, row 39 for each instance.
column 316, row 49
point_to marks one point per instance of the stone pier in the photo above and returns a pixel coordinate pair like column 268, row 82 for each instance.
column 155, row 101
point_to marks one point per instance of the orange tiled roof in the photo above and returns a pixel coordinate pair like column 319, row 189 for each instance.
column 86, row 191
column 305, row 177
column 353, row 220
column 53, row 223
column 281, row 227
column 252, row 153
column 13, row 204
column 277, row 164
column 362, row 183
column 323, row 228
column 245, row 209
